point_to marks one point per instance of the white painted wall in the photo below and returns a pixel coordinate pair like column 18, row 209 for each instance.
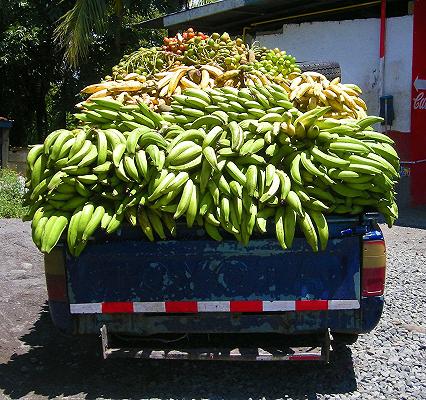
column 355, row 45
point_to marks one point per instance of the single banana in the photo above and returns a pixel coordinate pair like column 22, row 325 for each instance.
column 223, row 186
column 37, row 231
column 192, row 210
column 77, row 157
column 53, row 231
column 93, row 223
column 279, row 227
column 205, row 175
column 237, row 135
column 328, row 159
column 90, row 157
column 145, row 223
column 34, row 154
column 308, row 229
column 269, row 175
column 251, row 179
column 293, row 201
column 210, row 156
column 185, row 199
column 38, row 170
column 236, row 173
column 213, row 231
column 85, row 217
column 130, row 168
column 273, row 188
column 156, row 223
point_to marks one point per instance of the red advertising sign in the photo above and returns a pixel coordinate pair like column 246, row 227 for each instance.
column 418, row 108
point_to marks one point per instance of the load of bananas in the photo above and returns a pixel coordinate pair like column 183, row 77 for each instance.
column 234, row 161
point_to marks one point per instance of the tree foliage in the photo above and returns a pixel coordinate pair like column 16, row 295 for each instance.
column 79, row 25
column 40, row 84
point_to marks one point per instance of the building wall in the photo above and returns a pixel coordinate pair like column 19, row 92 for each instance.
column 17, row 159
column 355, row 45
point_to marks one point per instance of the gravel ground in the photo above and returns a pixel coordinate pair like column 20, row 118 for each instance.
column 37, row 363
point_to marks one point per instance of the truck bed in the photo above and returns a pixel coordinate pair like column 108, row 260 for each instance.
column 192, row 284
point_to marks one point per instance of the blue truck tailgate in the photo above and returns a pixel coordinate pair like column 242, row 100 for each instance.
column 194, row 284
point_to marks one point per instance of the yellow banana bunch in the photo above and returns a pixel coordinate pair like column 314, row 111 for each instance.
column 310, row 90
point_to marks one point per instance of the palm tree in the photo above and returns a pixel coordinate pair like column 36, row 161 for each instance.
column 79, row 26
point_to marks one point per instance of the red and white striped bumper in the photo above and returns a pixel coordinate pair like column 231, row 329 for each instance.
column 176, row 307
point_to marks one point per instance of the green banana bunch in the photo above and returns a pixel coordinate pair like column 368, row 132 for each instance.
column 224, row 159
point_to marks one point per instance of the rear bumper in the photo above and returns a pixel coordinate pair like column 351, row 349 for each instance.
column 291, row 323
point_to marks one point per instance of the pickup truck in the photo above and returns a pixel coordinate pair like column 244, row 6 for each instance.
column 194, row 298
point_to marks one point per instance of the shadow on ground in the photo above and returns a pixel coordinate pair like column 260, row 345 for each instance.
column 57, row 365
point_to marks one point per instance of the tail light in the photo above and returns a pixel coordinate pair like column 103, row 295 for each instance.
column 56, row 282
column 373, row 268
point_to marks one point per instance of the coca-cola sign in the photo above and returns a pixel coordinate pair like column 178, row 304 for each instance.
column 420, row 101
column 417, row 141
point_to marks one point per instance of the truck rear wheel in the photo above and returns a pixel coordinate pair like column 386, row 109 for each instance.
column 329, row 69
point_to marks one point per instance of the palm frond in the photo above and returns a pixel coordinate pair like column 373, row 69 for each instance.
column 77, row 27
column 118, row 6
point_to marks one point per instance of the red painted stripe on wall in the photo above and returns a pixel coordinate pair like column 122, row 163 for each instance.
column 382, row 43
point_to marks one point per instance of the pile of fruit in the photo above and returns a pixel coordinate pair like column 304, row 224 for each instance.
column 233, row 160
column 142, row 63
column 179, row 43
column 201, row 61
column 276, row 63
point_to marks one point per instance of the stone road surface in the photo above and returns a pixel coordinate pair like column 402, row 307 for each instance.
column 38, row 363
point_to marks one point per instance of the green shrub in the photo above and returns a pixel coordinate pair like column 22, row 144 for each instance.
column 11, row 194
